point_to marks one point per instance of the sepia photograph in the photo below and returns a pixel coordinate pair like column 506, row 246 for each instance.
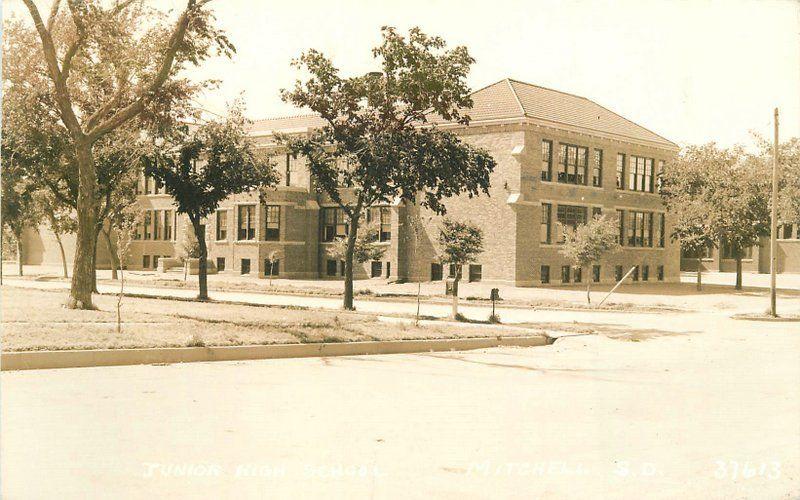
column 323, row 249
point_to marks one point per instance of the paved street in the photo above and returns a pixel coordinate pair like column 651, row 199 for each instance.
column 710, row 414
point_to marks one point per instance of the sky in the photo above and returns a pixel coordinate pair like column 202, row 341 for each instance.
column 690, row 70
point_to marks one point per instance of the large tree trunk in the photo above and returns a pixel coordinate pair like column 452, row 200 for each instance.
column 115, row 264
column 699, row 274
column 738, row 271
column 63, row 254
column 348, row 264
column 19, row 254
column 202, row 265
column 80, row 294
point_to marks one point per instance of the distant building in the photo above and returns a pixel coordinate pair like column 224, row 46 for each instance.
column 561, row 159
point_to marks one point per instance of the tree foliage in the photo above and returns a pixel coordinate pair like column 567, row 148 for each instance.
column 202, row 167
column 460, row 242
column 592, row 241
column 366, row 249
column 376, row 144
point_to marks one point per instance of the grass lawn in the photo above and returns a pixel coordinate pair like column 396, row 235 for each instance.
column 36, row 320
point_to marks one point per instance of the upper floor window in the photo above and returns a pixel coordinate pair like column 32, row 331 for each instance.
column 246, row 222
column 640, row 175
column 547, row 160
column 621, row 221
column 273, row 223
column 222, row 225
column 662, row 229
column 620, row 171
column 572, row 164
column 570, row 217
column 333, row 224
column 385, row 217
column 169, row 216
column 660, row 176
column 597, row 168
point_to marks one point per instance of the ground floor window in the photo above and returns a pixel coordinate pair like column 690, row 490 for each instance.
column 245, row 267
column 452, row 269
column 660, row 273
column 578, row 276
column 436, row 271
column 145, row 261
column 565, row 274
column 330, row 268
column 155, row 261
column 388, row 269
column 341, row 267
column 596, row 274
column 271, row 267
column 545, row 274
column 377, row 269
column 727, row 252
column 618, row 273
column 645, row 273
column 220, row 263
column 635, row 274
column 475, row 272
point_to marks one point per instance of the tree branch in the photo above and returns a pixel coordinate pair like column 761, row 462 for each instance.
column 137, row 105
column 53, row 13
column 61, row 92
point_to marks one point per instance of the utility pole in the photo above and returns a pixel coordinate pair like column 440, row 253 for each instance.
column 773, row 243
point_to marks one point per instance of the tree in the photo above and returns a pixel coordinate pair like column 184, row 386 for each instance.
column 721, row 197
column 273, row 259
column 125, row 228
column 376, row 144
column 201, row 168
column 788, row 175
column 365, row 248
column 460, row 243
column 60, row 219
column 18, row 205
column 589, row 243
column 684, row 188
column 107, row 68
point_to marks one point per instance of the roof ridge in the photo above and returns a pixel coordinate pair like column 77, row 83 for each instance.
column 516, row 97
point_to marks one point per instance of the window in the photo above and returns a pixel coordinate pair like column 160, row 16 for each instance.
column 388, row 269
column 572, row 164
column 635, row 274
column 660, row 176
column 645, row 273
column 639, row 227
column 618, row 273
column 288, row 176
column 705, row 253
column 621, row 220
column 620, row 171
column 597, row 168
column 727, row 252
column 452, row 269
column 220, row 264
column 662, row 229
column 475, row 272
column 596, row 274
column 330, row 268
column 640, row 175
column 222, row 225
column 157, row 224
column 168, row 218
column 245, row 267
column 597, row 212
column 545, row 274
column 155, row 261
column 546, row 221
column 565, row 274
column 146, row 184
column 273, row 216
column 271, row 267
column 570, row 217
column 547, row 160
column 436, row 271
column 384, row 217
column 158, row 186
column 377, row 269
column 660, row 273
column 148, row 218
column 578, row 275
column 247, row 222
column 138, row 234
column 785, row 231
column 341, row 268
column 145, row 261
column 333, row 224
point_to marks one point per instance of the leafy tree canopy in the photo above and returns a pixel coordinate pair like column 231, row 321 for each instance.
column 460, row 242
column 590, row 242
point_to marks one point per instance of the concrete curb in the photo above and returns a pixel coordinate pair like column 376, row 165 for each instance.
column 39, row 360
